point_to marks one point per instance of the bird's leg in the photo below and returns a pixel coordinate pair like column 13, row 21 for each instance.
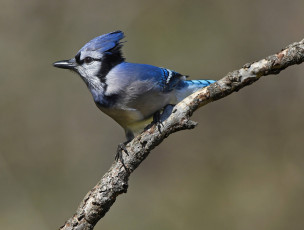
column 157, row 120
column 156, row 117
column 167, row 110
column 159, row 114
column 120, row 148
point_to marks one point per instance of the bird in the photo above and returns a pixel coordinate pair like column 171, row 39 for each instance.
column 130, row 93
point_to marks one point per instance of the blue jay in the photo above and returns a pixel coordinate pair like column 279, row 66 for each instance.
column 129, row 93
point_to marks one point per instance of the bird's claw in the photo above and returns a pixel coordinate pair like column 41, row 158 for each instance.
column 156, row 117
column 120, row 148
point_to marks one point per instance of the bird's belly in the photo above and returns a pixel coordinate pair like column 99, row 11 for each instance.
column 136, row 112
column 149, row 104
column 121, row 116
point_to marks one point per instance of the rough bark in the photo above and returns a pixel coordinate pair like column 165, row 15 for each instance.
column 99, row 199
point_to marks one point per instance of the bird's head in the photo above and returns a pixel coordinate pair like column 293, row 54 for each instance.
column 96, row 58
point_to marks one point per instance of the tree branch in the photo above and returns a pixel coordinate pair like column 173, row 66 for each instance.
column 115, row 182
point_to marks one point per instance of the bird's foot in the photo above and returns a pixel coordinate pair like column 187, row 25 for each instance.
column 162, row 115
column 156, row 117
column 120, row 148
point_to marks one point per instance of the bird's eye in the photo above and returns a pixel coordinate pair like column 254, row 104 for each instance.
column 88, row 60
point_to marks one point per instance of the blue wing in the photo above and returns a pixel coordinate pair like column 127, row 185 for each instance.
column 169, row 79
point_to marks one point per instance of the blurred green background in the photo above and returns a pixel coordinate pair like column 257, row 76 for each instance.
column 241, row 168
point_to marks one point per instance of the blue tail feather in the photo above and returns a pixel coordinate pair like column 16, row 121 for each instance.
column 187, row 87
column 199, row 83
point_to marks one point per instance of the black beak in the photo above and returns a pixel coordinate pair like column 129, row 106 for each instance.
column 66, row 64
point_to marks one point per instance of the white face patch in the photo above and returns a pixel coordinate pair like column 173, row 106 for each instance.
column 89, row 72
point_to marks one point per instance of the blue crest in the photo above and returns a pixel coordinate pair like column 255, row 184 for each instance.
column 104, row 42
